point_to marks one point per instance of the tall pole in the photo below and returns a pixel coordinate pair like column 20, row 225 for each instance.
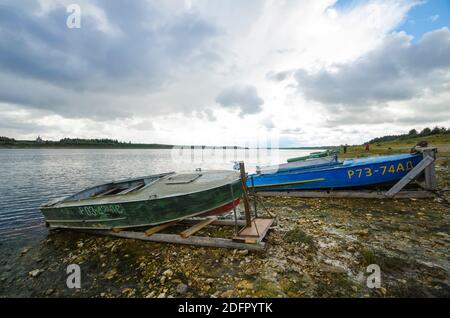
column 248, row 217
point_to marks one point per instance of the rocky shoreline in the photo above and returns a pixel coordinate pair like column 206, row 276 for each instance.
column 318, row 248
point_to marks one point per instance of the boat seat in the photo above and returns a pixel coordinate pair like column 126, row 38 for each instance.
column 131, row 189
column 183, row 178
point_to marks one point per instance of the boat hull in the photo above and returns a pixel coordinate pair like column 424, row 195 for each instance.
column 299, row 165
column 145, row 212
column 357, row 173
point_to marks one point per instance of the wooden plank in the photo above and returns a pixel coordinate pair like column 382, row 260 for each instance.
column 158, row 228
column 197, row 227
column 430, row 173
column 363, row 194
column 248, row 217
column 176, row 239
column 216, row 222
column 106, row 192
column 131, row 189
column 426, row 161
column 430, row 178
column 257, row 231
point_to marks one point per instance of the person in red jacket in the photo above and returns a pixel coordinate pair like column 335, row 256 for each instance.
column 367, row 147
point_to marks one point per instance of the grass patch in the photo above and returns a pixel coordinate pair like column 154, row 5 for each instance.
column 369, row 257
column 298, row 236
column 386, row 263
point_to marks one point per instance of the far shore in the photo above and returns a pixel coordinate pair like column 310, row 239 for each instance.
column 144, row 147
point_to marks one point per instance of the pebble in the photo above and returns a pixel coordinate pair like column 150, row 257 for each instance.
column 181, row 288
column 168, row 273
column 24, row 251
column 36, row 272
column 150, row 295
column 244, row 284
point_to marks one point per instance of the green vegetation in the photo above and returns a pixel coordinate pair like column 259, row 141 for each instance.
column 402, row 144
column 298, row 236
column 6, row 142
column 412, row 134
column 76, row 143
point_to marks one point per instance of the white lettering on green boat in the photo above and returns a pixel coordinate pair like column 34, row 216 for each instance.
column 100, row 210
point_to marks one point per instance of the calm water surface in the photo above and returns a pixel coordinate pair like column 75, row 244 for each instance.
column 31, row 177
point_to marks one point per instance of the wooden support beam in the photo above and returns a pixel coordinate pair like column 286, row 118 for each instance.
column 157, row 228
column 248, row 217
column 216, row 222
column 414, row 173
column 197, row 227
column 430, row 173
column 363, row 194
column 177, row 239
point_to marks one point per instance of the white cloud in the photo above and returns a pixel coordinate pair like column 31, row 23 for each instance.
column 244, row 97
column 156, row 71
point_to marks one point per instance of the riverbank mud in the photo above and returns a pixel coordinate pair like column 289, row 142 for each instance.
column 318, row 248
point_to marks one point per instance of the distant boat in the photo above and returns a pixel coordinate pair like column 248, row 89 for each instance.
column 300, row 164
column 314, row 155
column 351, row 173
column 146, row 201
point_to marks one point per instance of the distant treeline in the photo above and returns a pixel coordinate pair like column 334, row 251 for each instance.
column 79, row 141
column 6, row 142
column 76, row 142
column 411, row 134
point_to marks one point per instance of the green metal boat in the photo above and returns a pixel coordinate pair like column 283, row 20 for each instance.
column 313, row 155
column 146, row 201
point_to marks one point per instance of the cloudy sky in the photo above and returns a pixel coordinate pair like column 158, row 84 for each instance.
column 317, row 72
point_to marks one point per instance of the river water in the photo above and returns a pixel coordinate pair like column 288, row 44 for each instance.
column 31, row 177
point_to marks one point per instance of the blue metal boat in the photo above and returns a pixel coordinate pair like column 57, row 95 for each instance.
column 351, row 173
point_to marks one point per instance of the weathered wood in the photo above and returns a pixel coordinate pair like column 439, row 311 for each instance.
column 106, row 192
column 256, row 232
column 216, row 222
column 176, row 239
column 430, row 173
column 430, row 178
column 426, row 161
column 197, row 227
column 157, row 228
column 364, row 194
column 248, row 217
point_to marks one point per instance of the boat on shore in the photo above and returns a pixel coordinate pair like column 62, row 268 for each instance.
column 314, row 155
column 300, row 164
column 146, row 200
column 350, row 173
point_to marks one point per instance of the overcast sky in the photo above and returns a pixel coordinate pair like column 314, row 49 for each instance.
column 215, row 72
